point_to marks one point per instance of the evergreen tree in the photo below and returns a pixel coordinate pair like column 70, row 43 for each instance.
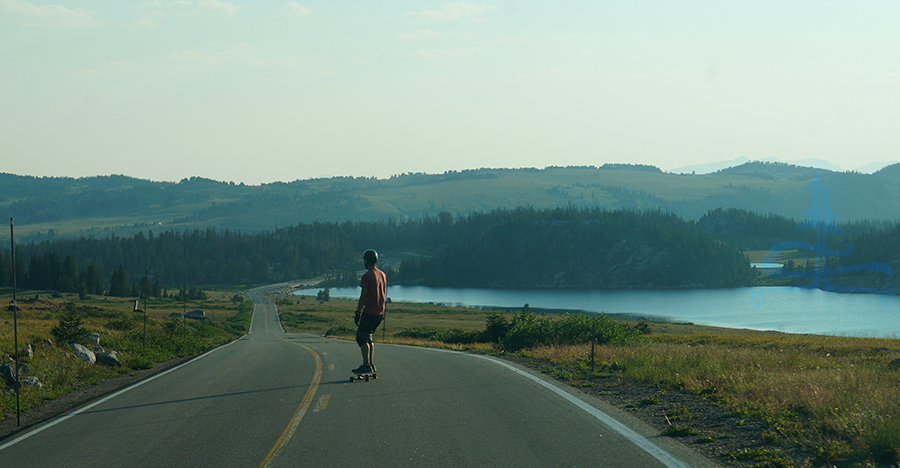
column 118, row 283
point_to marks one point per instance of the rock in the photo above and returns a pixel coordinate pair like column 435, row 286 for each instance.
column 32, row 382
column 47, row 341
column 895, row 364
column 29, row 350
column 93, row 339
column 8, row 373
column 98, row 349
column 83, row 353
column 110, row 358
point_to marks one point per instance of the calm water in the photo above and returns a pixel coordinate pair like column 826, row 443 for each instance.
column 792, row 310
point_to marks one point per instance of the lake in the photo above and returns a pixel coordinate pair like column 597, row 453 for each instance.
column 786, row 309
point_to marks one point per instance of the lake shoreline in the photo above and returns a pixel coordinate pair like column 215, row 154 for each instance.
column 787, row 309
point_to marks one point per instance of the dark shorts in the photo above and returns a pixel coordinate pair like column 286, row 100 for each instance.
column 367, row 325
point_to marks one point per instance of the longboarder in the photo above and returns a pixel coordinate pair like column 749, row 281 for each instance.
column 369, row 310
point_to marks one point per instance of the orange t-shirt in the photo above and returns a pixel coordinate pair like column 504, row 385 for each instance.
column 376, row 283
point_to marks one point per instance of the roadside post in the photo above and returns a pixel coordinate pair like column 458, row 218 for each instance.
column 183, row 308
column 12, row 250
column 144, row 290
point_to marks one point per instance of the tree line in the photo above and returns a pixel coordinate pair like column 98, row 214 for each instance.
column 523, row 247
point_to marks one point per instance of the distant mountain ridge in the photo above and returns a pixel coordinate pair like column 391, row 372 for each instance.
column 103, row 205
column 811, row 162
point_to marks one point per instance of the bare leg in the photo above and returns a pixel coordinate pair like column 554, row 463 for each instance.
column 365, row 354
column 371, row 353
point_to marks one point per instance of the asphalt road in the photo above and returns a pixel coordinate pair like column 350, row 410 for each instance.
column 282, row 399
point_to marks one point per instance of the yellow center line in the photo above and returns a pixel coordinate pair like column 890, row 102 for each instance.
column 298, row 415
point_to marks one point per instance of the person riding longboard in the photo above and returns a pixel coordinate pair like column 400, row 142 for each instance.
column 369, row 310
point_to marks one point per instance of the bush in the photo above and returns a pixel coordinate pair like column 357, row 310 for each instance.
column 458, row 336
column 69, row 328
column 528, row 331
column 340, row 330
column 496, row 327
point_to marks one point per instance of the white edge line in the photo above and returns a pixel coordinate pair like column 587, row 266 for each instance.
column 109, row 397
column 658, row 453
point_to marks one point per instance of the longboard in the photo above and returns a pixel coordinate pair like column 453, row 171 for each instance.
column 364, row 376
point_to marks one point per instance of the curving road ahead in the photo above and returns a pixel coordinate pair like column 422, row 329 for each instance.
column 281, row 399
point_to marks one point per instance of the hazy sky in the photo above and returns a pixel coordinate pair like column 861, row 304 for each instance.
column 272, row 90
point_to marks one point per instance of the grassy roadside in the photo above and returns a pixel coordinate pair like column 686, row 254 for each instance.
column 120, row 329
column 818, row 400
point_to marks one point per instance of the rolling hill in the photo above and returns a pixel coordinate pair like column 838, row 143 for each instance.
column 99, row 206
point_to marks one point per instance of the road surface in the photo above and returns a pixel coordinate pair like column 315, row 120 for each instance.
column 284, row 399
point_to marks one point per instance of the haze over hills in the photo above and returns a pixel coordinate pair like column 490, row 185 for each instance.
column 99, row 206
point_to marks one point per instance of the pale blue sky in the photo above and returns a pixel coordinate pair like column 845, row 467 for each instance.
column 263, row 91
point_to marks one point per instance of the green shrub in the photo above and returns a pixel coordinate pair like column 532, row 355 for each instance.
column 496, row 327
column 529, row 330
column 460, row 336
column 69, row 328
column 340, row 330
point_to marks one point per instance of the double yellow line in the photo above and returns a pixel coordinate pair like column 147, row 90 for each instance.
column 298, row 415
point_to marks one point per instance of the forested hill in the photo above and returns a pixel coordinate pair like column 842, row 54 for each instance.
column 525, row 247
column 579, row 248
column 100, row 206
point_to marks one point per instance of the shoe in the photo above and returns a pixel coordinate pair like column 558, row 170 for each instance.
column 363, row 369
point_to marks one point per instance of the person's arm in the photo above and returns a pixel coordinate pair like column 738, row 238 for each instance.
column 362, row 300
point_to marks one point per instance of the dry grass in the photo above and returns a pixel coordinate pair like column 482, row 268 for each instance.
column 833, row 395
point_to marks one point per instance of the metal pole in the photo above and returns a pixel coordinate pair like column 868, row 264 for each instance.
column 12, row 250
column 144, row 290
